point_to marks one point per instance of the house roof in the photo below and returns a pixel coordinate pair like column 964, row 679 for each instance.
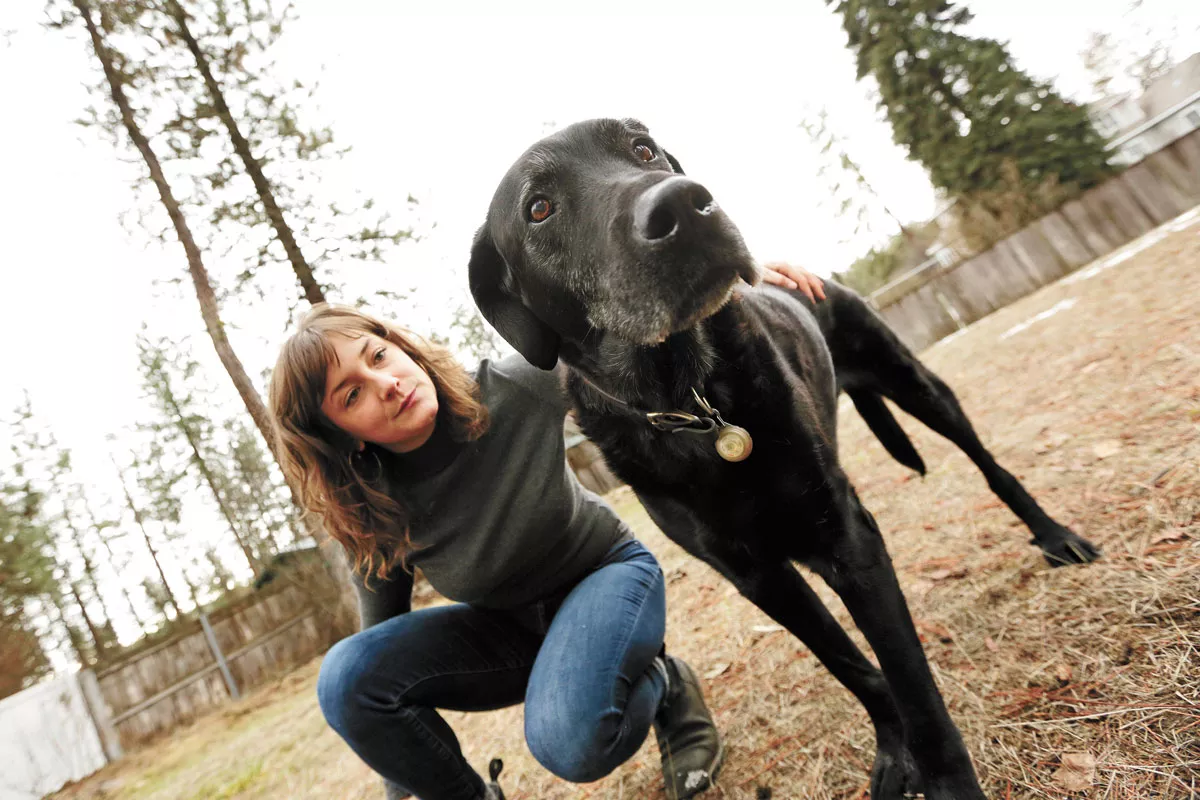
column 1150, row 123
column 1166, row 92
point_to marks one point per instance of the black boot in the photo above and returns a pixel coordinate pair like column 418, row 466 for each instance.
column 691, row 748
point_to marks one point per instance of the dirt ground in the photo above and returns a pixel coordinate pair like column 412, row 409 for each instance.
column 1067, row 683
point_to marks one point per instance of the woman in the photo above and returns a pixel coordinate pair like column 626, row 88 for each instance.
column 409, row 461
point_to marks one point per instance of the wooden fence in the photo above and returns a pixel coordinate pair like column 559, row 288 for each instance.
column 934, row 301
column 176, row 681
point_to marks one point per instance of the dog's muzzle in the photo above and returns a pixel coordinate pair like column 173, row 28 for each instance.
column 679, row 214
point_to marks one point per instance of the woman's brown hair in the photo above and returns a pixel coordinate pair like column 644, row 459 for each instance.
column 336, row 483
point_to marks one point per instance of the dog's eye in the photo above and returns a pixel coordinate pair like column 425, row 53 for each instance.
column 540, row 209
column 644, row 151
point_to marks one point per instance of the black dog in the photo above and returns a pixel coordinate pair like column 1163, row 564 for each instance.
column 716, row 402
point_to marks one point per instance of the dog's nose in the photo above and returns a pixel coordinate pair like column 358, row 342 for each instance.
column 668, row 204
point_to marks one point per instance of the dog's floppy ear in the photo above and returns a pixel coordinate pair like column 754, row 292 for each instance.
column 491, row 286
column 673, row 162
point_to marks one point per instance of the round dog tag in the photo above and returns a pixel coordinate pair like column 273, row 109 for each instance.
column 734, row 443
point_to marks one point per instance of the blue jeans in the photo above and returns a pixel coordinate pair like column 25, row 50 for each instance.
column 580, row 661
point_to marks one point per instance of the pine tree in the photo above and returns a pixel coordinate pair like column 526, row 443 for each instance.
column 166, row 377
column 85, row 558
column 228, row 156
column 961, row 107
column 220, row 579
column 230, row 44
column 70, row 592
column 26, row 570
column 79, row 574
column 241, row 156
column 119, row 76
column 160, row 598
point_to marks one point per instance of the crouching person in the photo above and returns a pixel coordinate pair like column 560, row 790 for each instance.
column 411, row 461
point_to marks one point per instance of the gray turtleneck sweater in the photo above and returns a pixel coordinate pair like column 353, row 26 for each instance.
column 502, row 521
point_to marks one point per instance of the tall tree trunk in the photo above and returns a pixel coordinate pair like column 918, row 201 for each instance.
column 199, row 275
column 308, row 283
column 200, row 281
column 141, row 523
column 204, row 291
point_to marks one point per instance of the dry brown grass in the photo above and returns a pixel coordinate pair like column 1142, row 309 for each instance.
column 1096, row 408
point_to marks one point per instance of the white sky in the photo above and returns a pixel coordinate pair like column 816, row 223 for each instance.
column 438, row 106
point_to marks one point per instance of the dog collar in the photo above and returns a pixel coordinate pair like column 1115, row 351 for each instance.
column 733, row 442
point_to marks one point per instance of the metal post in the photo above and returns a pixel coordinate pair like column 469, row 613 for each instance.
column 216, row 651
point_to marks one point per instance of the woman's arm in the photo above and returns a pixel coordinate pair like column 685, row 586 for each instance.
column 380, row 600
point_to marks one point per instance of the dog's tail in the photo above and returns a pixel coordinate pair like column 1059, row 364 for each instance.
column 883, row 424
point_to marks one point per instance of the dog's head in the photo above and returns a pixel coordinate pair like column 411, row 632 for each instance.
column 596, row 228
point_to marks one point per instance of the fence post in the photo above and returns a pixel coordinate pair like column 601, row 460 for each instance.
column 216, row 651
column 97, row 709
column 949, row 308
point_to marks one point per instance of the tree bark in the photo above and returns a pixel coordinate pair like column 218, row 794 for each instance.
column 262, row 187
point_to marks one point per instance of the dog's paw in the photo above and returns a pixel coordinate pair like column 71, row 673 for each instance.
column 895, row 776
column 1066, row 547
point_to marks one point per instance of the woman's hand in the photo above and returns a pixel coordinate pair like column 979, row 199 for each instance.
column 790, row 276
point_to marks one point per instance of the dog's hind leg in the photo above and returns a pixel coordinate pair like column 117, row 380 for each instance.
column 870, row 359
column 858, row 568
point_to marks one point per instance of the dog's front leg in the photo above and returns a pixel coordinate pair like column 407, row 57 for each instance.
column 859, row 570
column 778, row 588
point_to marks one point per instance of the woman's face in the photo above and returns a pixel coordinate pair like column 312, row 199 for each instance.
column 376, row 393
